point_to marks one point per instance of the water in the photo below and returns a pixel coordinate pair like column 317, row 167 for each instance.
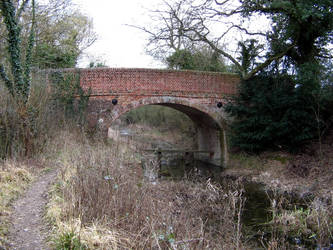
column 257, row 210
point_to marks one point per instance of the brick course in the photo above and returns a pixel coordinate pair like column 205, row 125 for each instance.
column 104, row 81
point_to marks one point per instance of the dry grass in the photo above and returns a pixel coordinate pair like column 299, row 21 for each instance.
column 108, row 205
column 101, row 198
column 310, row 225
column 301, row 174
column 307, row 176
column 14, row 178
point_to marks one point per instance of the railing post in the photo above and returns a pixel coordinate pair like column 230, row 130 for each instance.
column 159, row 162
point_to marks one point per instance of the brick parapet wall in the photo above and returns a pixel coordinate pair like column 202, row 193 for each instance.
column 106, row 81
column 155, row 82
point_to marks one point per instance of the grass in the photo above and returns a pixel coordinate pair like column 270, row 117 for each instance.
column 102, row 200
column 123, row 211
column 242, row 163
column 309, row 225
column 14, row 178
column 258, row 162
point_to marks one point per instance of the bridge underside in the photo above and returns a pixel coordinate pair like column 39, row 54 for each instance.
column 208, row 130
column 205, row 115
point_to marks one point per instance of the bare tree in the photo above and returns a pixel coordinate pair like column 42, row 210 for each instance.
column 219, row 24
column 167, row 33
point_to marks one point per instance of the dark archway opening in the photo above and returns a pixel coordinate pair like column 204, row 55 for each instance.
column 162, row 126
column 192, row 128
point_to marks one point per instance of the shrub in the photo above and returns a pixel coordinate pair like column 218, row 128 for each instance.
column 271, row 113
column 24, row 127
column 68, row 95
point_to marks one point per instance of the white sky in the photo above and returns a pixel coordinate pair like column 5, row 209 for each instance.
column 118, row 45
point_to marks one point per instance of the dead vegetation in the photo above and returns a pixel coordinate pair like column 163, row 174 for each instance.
column 97, row 193
column 309, row 172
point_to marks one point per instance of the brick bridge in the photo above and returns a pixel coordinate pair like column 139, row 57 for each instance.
column 199, row 95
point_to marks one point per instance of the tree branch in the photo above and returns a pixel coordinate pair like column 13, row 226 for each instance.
column 248, row 32
column 28, row 57
column 21, row 8
column 267, row 62
column 218, row 50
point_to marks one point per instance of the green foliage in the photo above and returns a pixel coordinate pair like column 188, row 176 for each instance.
column 97, row 64
column 271, row 114
column 50, row 56
column 63, row 34
column 69, row 241
column 307, row 25
column 60, row 33
column 181, row 59
column 185, row 59
column 69, row 95
column 19, row 86
column 158, row 116
column 323, row 108
column 249, row 52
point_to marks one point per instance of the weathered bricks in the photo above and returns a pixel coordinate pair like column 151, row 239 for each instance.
column 104, row 81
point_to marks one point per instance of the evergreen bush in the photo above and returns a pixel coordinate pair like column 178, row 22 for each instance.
column 271, row 113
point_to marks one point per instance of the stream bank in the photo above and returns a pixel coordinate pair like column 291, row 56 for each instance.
column 268, row 211
column 284, row 194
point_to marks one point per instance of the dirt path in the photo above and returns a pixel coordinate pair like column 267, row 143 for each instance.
column 28, row 230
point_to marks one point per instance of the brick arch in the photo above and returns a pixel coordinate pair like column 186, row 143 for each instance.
column 200, row 114
column 207, row 117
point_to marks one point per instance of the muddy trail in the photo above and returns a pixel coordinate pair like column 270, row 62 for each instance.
column 28, row 230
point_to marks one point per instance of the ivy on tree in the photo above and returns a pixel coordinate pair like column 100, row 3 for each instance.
column 18, row 84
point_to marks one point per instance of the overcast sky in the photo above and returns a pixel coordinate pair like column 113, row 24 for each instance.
column 118, row 45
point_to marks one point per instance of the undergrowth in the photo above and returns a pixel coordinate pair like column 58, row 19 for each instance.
column 108, row 204
column 101, row 199
column 26, row 138
column 308, row 225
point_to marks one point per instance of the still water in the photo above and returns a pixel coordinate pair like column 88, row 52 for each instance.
column 257, row 210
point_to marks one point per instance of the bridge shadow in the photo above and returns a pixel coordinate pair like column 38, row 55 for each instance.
column 209, row 133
